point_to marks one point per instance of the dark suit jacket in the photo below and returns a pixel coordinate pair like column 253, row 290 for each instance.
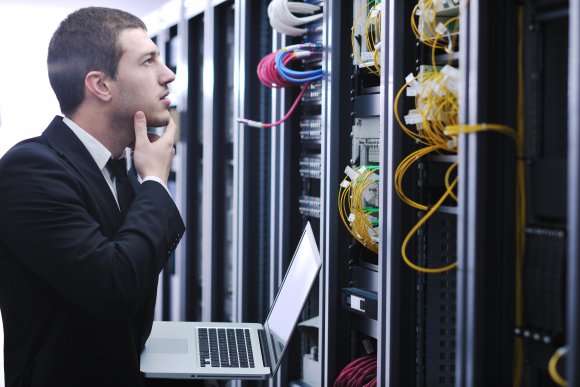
column 77, row 281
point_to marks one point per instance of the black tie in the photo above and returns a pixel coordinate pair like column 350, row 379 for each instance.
column 124, row 191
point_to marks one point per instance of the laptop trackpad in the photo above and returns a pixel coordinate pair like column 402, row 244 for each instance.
column 167, row 345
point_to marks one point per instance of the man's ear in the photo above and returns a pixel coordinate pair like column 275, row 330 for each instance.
column 97, row 84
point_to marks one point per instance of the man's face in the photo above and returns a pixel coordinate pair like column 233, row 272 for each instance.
column 141, row 82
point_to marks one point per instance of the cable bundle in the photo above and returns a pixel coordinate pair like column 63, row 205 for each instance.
column 361, row 372
column 355, row 190
column 371, row 36
column 429, row 30
column 273, row 72
column 436, row 106
column 283, row 57
column 282, row 19
column 435, row 115
column 436, row 109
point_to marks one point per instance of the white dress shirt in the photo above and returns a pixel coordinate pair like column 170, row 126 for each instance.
column 101, row 155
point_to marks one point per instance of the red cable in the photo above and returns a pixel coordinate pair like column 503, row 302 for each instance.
column 356, row 372
column 365, row 372
column 357, row 379
column 289, row 113
column 350, row 368
column 372, row 383
column 269, row 75
column 281, row 120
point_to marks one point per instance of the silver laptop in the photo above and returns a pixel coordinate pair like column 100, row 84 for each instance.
column 210, row 350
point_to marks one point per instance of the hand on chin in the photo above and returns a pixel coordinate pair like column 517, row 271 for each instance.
column 152, row 138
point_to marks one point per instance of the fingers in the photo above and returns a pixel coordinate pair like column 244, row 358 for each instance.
column 141, row 133
column 170, row 131
column 140, row 124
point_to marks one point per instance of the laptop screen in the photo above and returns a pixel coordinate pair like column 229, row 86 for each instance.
column 293, row 292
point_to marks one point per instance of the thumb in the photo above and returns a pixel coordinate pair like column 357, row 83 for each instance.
column 140, row 124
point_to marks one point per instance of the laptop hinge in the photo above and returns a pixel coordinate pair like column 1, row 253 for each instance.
column 265, row 348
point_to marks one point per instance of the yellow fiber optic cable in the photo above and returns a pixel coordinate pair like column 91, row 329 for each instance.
column 447, row 177
column 352, row 39
column 434, row 47
column 350, row 201
column 403, row 167
column 427, row 7
column 454, row 130
column 374, row 38
column 418, row 225
column 417, row 137
column 552, row 366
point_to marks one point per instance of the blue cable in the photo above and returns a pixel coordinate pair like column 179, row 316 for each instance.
column 289, row 75
column 280, row 56
column 283, row 69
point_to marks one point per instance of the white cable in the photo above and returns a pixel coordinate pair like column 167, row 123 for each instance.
column 282, row 28
column 282, row 19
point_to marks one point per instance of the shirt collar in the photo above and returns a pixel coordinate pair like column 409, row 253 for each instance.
column 97, row 150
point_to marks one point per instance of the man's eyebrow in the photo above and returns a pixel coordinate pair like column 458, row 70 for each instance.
column 151, row 53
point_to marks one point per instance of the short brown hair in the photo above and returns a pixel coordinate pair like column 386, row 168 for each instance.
column 87, row 40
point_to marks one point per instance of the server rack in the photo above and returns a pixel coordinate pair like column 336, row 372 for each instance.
column 296, row 178
column 481, row 217
column 337, row 66
column 232, row 163
column 355, row 128
column 192, row 121
column 395, row 335
column 252, row 153
column 420, row 317
column 417, row 298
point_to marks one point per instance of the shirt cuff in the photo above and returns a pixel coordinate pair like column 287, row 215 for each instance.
column 155, row 178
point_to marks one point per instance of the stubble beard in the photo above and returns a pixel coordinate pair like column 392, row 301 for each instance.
column 157, row 121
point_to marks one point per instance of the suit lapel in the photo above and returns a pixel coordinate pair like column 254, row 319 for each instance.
column 133, row 178
column 68, row 146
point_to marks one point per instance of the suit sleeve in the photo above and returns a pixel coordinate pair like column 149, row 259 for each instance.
column 45, row 223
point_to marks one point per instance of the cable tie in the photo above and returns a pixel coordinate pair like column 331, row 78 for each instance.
column 345, row 184
column 352, row 174
column 441, row 29
column 410, row 79
column 413, row 117
column 368, row 195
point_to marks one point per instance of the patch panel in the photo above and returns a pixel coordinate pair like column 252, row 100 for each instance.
column 309, row 206
column 310, row 166
column 311, row 129
column 313, row 92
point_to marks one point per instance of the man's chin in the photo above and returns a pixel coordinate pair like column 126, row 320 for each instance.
column 156, row 122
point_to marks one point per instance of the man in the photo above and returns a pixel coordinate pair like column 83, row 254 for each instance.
column 80, row 248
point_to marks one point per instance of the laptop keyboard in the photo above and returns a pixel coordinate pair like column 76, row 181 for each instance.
column 225, row 347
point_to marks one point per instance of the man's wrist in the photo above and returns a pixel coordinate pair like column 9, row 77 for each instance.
column 155, row 178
